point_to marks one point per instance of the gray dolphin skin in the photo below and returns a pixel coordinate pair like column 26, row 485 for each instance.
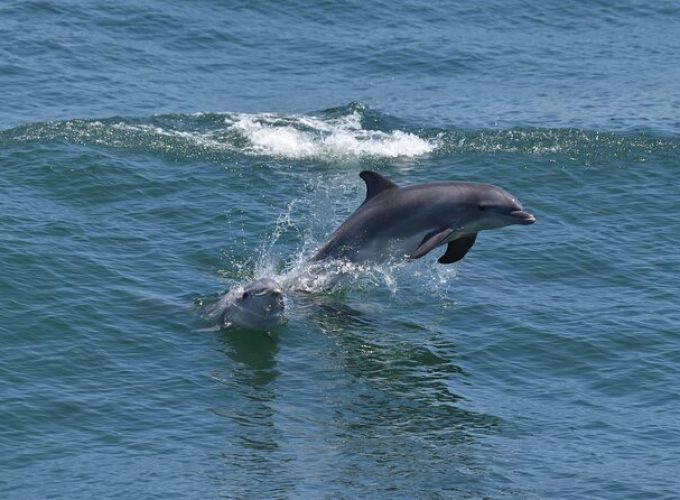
column 408, row 222
column 256, row 305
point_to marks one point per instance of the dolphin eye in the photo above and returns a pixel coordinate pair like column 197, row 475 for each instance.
column 246, row 295
column 481, row 207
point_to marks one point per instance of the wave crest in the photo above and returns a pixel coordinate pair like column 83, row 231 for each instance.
column 324, row 137
column 335, row 134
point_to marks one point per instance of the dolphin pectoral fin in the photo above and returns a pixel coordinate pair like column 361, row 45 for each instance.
column 457, row 249
column 430, row 241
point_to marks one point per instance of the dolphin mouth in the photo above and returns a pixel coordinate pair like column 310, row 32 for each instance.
column 523, row 217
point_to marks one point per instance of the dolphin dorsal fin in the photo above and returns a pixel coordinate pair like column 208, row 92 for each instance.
column 375, row 183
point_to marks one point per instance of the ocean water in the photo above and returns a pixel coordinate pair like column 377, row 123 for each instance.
column 153, row 154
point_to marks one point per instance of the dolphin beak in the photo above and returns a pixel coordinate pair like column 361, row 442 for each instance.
column 523, row 217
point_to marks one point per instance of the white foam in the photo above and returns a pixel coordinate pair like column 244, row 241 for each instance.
column 313, row 137
column 267, row 134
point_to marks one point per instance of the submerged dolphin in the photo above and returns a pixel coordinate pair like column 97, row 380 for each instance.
column 395, row 222
column 257, row 305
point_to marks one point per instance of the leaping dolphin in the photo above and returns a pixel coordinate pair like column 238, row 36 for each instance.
column 409, row 222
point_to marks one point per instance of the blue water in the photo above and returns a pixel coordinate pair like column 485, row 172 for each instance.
column 152, row 154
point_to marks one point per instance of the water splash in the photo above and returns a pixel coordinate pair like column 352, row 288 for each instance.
column 307, row 221
column 338, row 137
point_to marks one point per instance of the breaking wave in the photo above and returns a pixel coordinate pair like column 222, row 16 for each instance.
column 340, row 137
column 336, row 134
column 349, row 133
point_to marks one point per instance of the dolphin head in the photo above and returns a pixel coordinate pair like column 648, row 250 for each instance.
column 258, row 304
column 490, row 207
